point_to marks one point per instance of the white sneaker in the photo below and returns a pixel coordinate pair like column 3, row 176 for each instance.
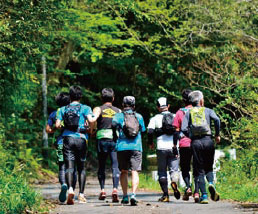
column 82, row 199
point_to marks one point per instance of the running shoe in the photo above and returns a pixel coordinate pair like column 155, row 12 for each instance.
column 82, row 199
column 214, row 195
column 133, row 200
column 115, row 198
column 164, row 198
column 125, row 200
column 102, row 196
column 187, row 194
column 175, row 189
column 62, row 195
column 70, row 200
column 196, row 197
column 204, row 199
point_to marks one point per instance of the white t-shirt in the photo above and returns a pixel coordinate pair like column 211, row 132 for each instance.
column 164, row 142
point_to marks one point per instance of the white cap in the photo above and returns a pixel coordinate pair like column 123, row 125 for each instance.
column 162, row 102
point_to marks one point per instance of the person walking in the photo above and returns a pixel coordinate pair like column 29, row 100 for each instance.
column 105, row 143
column 75, row 116
column 62, row 99
column 197, row 125
column 161, row 125
column 129, row 125
column 185, row 151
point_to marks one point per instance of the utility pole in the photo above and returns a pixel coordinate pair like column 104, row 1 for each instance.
column 44, row 96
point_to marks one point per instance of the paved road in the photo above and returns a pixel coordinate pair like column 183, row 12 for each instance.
column 148, row 203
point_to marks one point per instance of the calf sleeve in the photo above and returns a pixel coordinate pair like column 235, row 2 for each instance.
column 201, row 183
column 82, row 180
column 69, row 172
column 164, row 185
column 115, row 177
column 61, row 172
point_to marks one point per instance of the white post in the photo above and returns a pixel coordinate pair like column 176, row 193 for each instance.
column 44, row 95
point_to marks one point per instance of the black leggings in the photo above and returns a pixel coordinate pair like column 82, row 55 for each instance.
column 185, row 163
column 61, row 174
column 75, row 156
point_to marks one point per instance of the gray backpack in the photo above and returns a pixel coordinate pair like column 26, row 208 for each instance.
column 131, row 126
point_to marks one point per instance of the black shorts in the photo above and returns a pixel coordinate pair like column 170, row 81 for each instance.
column 129, row 159
column 74, row 149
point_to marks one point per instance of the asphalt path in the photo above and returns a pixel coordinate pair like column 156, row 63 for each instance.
column 148, row 203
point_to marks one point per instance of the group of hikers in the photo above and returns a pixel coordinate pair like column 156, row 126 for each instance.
column 118, row 134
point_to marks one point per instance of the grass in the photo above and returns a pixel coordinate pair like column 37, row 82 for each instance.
column 16, row 195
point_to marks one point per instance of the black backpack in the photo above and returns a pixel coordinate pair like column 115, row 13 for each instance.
column 72, row 117
column 167, row 124
column 131, row 125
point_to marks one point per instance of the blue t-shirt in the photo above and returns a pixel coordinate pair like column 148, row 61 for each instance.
column 84, row 112
column 124, row 143
column 51, row 122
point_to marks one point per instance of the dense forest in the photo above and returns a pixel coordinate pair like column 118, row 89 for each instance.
column 144, row 48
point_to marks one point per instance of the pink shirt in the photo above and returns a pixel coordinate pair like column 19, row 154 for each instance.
column 185, row 141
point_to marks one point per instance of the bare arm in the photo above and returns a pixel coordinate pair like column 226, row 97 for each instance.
column 50, row 129
column 96, row 113
column 58, row 124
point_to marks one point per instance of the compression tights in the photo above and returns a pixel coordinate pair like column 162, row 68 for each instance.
column 61, row 174
column 69, row 173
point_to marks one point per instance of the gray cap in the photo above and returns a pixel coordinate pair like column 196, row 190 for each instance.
column 129, row 100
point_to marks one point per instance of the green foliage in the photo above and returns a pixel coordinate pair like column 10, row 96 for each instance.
column 147, row 48
column 16, row 194
column 237, row 179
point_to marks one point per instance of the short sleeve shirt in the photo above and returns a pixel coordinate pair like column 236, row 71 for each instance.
column 185, row 141
column 164, row 142
column 124, row 143
column 84, row 112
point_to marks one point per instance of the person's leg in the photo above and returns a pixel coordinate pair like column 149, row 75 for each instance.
column 124, row 181
column 208, row 167
column 198, row 170
column 162, row 173
column 102, row 157
column 81, row 149
column 136, row 166
column 115, row 175
column 185, row 162
column 69, row 157
column 64, row 187
column 201, row 152
column 74, row 177
column 115, row 170
column 173, row 165
column 135, row 181
column 123, row 164
column 209, row 158
column 61, row 173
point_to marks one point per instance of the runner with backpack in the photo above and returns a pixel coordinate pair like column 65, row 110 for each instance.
column 197, row 125
column 161, row 125
column 105, row 144
column 185, row 150
column 75, row 117
column 62, row 99
column 129, row 125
